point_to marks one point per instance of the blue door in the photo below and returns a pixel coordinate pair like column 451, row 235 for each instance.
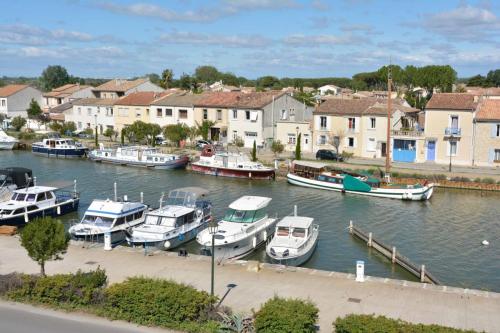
column 404, row 151
column 431, row 150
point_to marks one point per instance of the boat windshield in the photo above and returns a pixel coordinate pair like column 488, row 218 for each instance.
column 99, row 221
column 160, row 220
column 299, row 232
column 244, row 216
column 283, row 231
column 23, row 196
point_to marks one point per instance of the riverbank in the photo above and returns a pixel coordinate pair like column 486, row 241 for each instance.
column 336, row 294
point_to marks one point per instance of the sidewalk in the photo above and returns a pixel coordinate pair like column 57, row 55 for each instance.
column 336, row 294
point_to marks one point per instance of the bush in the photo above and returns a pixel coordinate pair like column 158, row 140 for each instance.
column 156, row 302
column 477, row 180
column 460, row 179
column 26, row 136
column 370, row 323
column 9, row 282
column 346, row 156
column 488, row 181
column 286, row 315
column 238, row 142
column 81, row 288
column 18, row 122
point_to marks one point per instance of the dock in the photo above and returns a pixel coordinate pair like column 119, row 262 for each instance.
column 391, row 253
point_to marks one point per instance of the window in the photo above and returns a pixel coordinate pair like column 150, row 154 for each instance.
column 373, row 122
column 235, row 135
column 79, row 125
column 109, row 112
column 322, row 122
column 352, row 124
column 3, row 102
column 454, row 121
column 123, row 112
column 235, row 114
column 79, row 110
column 137, row 113
column 205, row 114
column 291, row 139
column 247, row 115
column 372, row 144
column 283, row 115
column 41, row 197
column 322, row 139
column 496, row 156
column 453, row 148
column 350, row 142
column 219, row 114
column 89, row 111
column 168, row 112
column 498, row 130
column 183, row 114
column 159, row 113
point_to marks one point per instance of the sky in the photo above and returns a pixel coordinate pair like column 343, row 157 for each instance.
column 251, row 38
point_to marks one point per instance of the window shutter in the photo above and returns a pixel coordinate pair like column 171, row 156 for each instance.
column 493, row 130
column 491, row 155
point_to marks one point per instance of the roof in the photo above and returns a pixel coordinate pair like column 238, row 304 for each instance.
column 489, row 109
column 65, row 90
column 295, row 221
column 491, row 91
column 63, row 107
column 120, row 85
column 219, row 99
column 109, row 208
column 452, row 101
column 140, row 98
column 95, row 101
column 358, row 107
column 11, row 89
column 249, row 202
column 257, row 100
column 199, row 191
column 36, row 189
column 310, row 164
column 180, row 99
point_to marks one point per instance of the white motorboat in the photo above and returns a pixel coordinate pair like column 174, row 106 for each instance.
column 177, row 221
column 12, row 179
column 294, row 241
column 108, row 216
column 55, row 146
column 138, row 156
column 7, row 142
column 245, row 226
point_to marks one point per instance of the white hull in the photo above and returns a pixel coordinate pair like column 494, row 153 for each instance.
column 7, row 145
column 299, row 259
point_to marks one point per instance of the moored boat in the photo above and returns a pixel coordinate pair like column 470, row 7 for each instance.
column 294, row 241
column 139, row 156
column 178, row 220
column 245, row 226
column 7, row 142
column 55, row 146
column 12, row 179
column 226, row 164
column 318, row 175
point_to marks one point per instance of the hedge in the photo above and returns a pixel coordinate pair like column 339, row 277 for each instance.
column 279, row 315
column 381, row 324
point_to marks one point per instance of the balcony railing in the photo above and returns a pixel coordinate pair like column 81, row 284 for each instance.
column 323, row 128
column 410, row 133
column 453, row 131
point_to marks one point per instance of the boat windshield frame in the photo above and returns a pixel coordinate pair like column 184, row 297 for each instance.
column 161, row 220
column 107, row 222
column 244, row 216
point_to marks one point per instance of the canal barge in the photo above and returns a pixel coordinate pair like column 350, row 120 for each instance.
column 320, row 176
column 226, row 164
column 178, row 220
column 55, row 146
column 37, row 201
column 139, row 156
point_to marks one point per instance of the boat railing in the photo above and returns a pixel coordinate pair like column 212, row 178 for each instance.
column 66, row 195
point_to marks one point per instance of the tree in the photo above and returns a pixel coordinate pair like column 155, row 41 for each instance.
column 238, row 142
column 154, row 78
column 476, row 81
column 207, row 74
column 298, row 153
column 44, row 239
column 277, row 147
column 254, row 152
column 229, row 79
column 192, row 133
column 268, row 82
column 109, row 132
column 34, row 110
column 153, row 131
column 185, row 82
column 53, row 77
column 204, row 128
column 493, row 78
column 69, row 127
column 138, row 131
column 167, row 77
column 337, row 139
column 175, row 133
column 18, row 122
column 122, row 136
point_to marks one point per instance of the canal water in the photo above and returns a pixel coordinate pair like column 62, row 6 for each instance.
column 444, row 233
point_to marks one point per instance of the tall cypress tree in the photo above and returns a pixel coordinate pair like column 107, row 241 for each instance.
column 254, row 151
column 297, row 148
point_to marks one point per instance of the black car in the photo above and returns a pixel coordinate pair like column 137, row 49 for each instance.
column 325, row 154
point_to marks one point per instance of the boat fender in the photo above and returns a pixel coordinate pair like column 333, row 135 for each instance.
column 485, row 242
column 181, row 237
column 343, row 191
column 58, row 210
column 26, row 219
column 254, row 242
column 166, row 245
column 405, row 196
column 265, row 234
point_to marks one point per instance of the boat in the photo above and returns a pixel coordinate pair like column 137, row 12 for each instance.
column 139, row 156
column 37, row 201
column 12, row 179
column 294, row 241
column 7, row 142
column 178, row 220
column 226, row 164
column 320, row 176
column 245, row 226
column 55, row 146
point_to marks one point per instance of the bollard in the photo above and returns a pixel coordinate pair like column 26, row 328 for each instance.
column 360, row 271
column 393, row 254
column 350, row 226
column 422, row 273
column 276, row 164
column 107, row 241
column 370, row 239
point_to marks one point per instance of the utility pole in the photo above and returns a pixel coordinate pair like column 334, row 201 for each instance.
column 389, row 115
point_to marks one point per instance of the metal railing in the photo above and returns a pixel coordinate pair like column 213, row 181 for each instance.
column 453, row 131
column 411, row 133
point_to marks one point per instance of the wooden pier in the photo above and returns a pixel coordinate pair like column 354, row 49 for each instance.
column 391, row 253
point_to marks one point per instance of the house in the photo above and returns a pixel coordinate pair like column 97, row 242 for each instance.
column 449, row 129
column 118, row 88
column 65, row 94
column 176, row 108
column 287, row 132
column 487, row 133
column 329, row 89
column 58, row 113
column 486, row 93
column 92, row 112
column 15, row 99
column 133, row 107
column 221, row 87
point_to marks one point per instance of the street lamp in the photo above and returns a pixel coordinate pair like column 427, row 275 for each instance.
column 213, row 227
column 451, row 138
column 96, row 138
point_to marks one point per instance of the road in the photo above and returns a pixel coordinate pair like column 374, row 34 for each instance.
column 21, row 318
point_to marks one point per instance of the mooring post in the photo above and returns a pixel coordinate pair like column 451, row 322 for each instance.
column 294, row 210
column 350, row 226
column 370, row 239
column 422, row 273
column 116, row 194
column 142, row 197
column 393, row 254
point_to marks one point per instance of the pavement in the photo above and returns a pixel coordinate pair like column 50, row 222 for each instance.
column 244, row 287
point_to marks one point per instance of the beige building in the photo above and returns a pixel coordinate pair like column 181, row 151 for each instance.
column 449, row 129
column 117, row 88
column 133, row 107
column 287, row 132
column 177, row 108
column 65, row 94
column 487, row 134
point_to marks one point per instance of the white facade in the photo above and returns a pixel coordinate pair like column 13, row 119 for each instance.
column 329, row 89
column 17, row 103
column 247, row 125
column 172, row 115
column 87, row 116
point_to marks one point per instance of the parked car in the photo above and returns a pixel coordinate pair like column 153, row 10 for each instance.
column 202, row 143
column 325, row 154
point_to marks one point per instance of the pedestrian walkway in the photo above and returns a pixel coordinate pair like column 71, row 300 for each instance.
column 336, row 294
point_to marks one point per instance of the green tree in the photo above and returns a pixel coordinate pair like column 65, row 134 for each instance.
column 277, row 147
column 192, row 133
column 298, row 153
column 204, row 128
column 34, row 110
column 185, row 82
column 153, row 131
column 18, row 122
column 477, row 81
column 68, row 127
column 53, row 77
column 238, row 142
column 229, row 79
column 254, row 152
column 167, row 77
column 268, row 81
column 493, row 78
column 138, row 131
column 207, row 74
column 122, row 136
column 44, row 239
column 154, row 78
column 175, row 133
column 109, row 132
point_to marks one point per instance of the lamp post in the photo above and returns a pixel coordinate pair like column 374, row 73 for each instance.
column 213, row 227
column 96, row 134
column 451, row 141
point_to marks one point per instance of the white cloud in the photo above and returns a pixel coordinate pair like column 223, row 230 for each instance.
column 323, row 40
column 194, row 38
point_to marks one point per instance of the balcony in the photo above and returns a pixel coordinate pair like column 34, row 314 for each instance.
column 323, row 128
column 455, row 131
column 408, row 133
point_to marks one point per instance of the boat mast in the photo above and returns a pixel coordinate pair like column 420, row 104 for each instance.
column 389, row 115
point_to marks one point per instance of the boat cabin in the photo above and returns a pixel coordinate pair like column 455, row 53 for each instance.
column 298, row 227
column 59, row 143
column 21, row 177
column 111, row 214
column 28, row 199
column 247, row 209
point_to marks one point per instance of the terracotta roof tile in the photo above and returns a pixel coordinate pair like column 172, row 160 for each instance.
column 11, row 89
column 185, row 99
column 65, row 90
column 359, row 107
column 120, row 85
column 96, row 101
column 257, row 100
column 219, row 99
column 488, row 109
column 140, row 98
column 452, row 101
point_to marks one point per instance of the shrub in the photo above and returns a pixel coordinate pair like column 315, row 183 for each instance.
column 460, row 179
column 238, row 142
column 156, row 302
column 488, row 181
column 370, row 323
column 81, row 288
column 477, row 180
column 9, row 282
column 26, row 136
column 286, row 315
column 346, row 156
column 277, row 147
column 18, row 122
